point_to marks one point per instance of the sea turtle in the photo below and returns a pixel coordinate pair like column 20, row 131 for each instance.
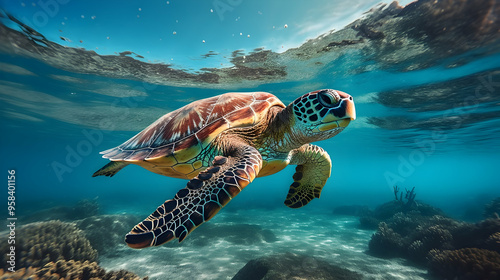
column 220, row 144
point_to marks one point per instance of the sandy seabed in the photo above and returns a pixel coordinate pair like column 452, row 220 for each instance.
column 334, row 239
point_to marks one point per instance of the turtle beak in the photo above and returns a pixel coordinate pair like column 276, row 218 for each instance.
column 339, row 116
column 350, row 110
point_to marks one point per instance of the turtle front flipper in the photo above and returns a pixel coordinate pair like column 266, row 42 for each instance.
column 314, row 168
column 200, row 200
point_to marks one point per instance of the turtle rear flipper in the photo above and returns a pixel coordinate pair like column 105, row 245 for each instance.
column 199, row 201
column 110, row 169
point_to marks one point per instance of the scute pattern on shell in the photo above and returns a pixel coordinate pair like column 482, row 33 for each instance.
column 202, row 118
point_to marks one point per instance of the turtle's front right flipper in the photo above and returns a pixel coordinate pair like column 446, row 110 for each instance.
column 203, row 197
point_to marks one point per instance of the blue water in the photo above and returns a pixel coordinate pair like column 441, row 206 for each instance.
column 59, row 112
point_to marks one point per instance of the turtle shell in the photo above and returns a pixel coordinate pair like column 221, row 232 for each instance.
column 181, row 135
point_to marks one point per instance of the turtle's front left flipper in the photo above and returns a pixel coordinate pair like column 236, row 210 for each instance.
column 313, row 169
column 203, row 197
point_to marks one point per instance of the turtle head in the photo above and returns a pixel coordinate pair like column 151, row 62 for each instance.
column 322, row 114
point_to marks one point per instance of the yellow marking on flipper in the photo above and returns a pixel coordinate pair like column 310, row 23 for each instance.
column 163, row 161
column 197, row 164
column 272, row 167
column 188, row 153
column 184, row 168
column 165, row 171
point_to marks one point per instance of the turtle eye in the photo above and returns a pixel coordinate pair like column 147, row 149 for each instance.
column 328, row 98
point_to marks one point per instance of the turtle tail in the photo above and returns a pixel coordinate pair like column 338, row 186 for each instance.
column 110, row 169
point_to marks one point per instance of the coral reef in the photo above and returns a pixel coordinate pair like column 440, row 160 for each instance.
column 493, row 242
column 385, row 242
column 40, row 243
column 22, row 273
column 292, row 266
column 480, row 235
column 69, row 270
column 77, row 270
column 402, row 237
column 467, row 263
column 404, row 209
column 56, row 250
column 409, row 196
column 451, row 249
column 425, row 240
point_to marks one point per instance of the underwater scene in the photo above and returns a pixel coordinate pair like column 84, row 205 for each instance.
column 364, row 137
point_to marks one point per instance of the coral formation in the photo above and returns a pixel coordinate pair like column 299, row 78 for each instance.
column 385, row 242
column 451, row 249
column 467, row 263
column 404, row 209
column 427, row 239
column 493, row 242
column 400, row 237
column 40, row 243
column 405, row 223
column 19, row 274
column 77, row 270
column 409, row 196
column 57, row 250
column 479, row 235
column 292, row 266
column 69, row 270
